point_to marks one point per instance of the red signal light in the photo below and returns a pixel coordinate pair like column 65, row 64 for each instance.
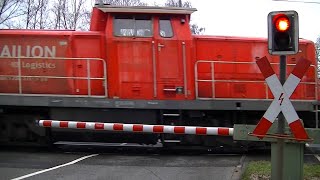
column 282, row 23
column 283, row 32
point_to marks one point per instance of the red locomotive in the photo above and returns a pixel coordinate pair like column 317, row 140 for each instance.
column 138, row 65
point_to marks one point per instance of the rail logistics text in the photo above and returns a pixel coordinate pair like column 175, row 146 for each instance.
column 27, row 51
column 13, row 51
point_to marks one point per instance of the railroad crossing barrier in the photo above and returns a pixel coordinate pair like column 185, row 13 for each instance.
column 240, row 132
column 138, row 128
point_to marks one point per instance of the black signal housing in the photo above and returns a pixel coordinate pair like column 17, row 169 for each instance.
column 283, row 32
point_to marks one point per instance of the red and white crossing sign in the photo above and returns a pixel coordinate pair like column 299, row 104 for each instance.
column 281, row 100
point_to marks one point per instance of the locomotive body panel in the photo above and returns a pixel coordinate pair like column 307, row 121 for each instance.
column 142, row 56
column 48, row 62
column 227, row 69
column 35, row 51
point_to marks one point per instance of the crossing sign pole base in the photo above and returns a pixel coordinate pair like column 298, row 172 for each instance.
column 292, row 167
column 293, row 150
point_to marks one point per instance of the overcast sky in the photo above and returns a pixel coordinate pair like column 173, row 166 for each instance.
column 249, row 17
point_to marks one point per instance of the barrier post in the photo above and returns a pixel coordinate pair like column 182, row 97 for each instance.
column 292, row 161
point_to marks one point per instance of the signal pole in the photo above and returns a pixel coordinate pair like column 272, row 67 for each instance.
column 281, row 119
column 283, row 39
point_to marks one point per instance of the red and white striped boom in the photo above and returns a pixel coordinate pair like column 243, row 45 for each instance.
column 142, row 128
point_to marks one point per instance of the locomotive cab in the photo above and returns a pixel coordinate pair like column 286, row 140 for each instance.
column 148, row 49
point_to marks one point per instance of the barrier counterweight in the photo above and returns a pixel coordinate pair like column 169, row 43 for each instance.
column 138, row 128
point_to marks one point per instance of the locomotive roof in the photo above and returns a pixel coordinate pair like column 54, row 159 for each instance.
column 146, row 9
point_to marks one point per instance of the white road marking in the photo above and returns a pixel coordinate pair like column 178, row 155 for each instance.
column 317, row 156
column 307, row 145
column 56, row 167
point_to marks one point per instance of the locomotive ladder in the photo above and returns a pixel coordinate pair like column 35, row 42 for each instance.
column 138, row 128
column 173, row 118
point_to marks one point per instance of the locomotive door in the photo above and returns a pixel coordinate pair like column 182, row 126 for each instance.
column 169, row 63
column 132, row 47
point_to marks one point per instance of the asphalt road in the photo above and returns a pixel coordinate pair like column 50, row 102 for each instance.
column 112, row 166
column 88, row 163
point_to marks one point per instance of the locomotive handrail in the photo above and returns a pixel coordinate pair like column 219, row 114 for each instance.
column 88, row 77
column 213, row 80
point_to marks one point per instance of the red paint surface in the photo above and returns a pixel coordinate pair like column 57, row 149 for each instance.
column 201, row 131
column 118, row 127
column 81, row 125
column 99, row 126
column 301, row 67
column 138, row 128
column 47, row 123
column 223, row 131
column 265, row 67
column 158, row 129
column 179, row 130
column 298, row 130
column 64, row 124
column 262, row 127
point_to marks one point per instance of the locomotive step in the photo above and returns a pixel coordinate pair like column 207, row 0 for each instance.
column 136, row 145
column 175, row 115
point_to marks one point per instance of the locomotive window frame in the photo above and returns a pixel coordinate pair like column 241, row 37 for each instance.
column 140, row 26
column 167, row 31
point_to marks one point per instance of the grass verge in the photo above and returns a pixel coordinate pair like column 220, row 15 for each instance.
column 262, row 170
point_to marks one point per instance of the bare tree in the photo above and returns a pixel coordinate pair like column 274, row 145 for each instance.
column 57, row 11
column 9, row 10
column 178, row 3
column 28, row 12
column 126, row 3
column 36, row 15
column 69, row 14
column 42, row 14
column 195, row 29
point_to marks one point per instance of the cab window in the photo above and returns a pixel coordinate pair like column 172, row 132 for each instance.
column 132, row 26
column 165, row 28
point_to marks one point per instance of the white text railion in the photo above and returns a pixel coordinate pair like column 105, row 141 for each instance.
column 27, row 51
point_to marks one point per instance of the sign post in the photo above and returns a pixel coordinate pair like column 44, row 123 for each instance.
column 278, row 158
column 286, row 158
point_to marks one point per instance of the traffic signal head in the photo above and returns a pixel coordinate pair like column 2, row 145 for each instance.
column 283, row 32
